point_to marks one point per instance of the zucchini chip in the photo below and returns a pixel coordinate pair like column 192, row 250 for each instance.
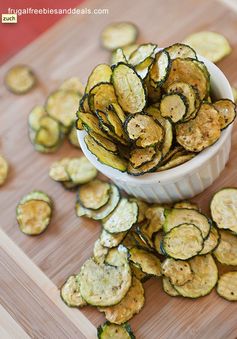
column 188, row 71
column 178, row 216
column 211, row 242
column 211, row 45
column 20, row 79
column 62, row 106
column 160, row 68
column 205, row 276
column 35, row 116
column 103, row 284
column 99, row 252
column 150, row 166
column 122, row 218
column 227, row 286
column 72, row 137
column 157, row 239
column 140, row 156
column 104, row 156
column 223, row 209
column 176, row 161
column 174, row 106
column 181, row 51
column 227, row 111
column 94, row 194
column 177, row 271
column 33, row 216
column 143, row 68
column 168, row 288
column 201, row 132
column 73, row 84
column 128, row 88
column 111, row 239
column 4, row 168
column 226, row 251
column 113, row 331
column 100, row 74
column 90, row 123
column 119, row 34
column 37, row 195
column 49, row 133
column 142, row 53
column 101, row 96
column 129, row 49
column 142, row 207
column 70, row 292
column 102, row 212
column 130, row 305
column 137, row 272
column 144, row 130
column 118, row 56
column 80, row 170
column 58, row 170
column 183, row 242
column 104, row 142
column 146, row 261
column 156, row 217
column 187, row 205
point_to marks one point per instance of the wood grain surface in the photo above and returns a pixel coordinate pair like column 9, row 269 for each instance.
column 32, row 268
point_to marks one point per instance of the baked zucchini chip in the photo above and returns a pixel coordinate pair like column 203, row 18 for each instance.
column 73, row 84
column 72, row 136
column 129, row 88
column 160, row 69
column 100, row 74
column 118, row 56
column 99, row 252
column 156, row 217
column 227, row 286
column 174, row 106
column 118, row 110
column 150, row 166
column 70, row 292
column 183, row 242
column 103, row 284
column 181, row 51
column 111, row 239
column 211, row 242
column 227, row 111
column 144, row 130
column 58, row 170
column 143, row 52
column 113, row 331
column 211, row 45
column 122, row 218
column 177, row 271
column 205, row 277
column 80, row 170
column 178, row 216
column 20, row 79
column 129, row 49
column 49, row 134
column 201, row 132
column 101, row 96
column 130, row 305
column 119, row 34
column 140, row 156
column 223, row 209
column 35, row 116
column 4, row 168
column 94, row 194
column 146, row 261
column 104, row 142
column 143, row 68
column 226, row 251
column 168, row 288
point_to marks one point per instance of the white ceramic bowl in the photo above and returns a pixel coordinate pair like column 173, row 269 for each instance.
column 186, row 180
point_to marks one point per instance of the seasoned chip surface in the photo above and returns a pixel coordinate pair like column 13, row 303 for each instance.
column 147, row 261
column 177, row 271
column 20, row 79
column 94, row 194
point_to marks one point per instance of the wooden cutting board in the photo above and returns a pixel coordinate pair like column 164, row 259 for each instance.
column 32, row 268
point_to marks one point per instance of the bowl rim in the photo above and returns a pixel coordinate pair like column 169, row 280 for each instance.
column 172, row 174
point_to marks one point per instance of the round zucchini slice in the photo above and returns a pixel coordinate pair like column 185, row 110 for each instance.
column 111, row 239
column 201, row 132
column 35, row 116
column 72, row 137
column 104, row 142
column 143, row 52
column 4, row 168
column 223, row 209
column 150, row 166
column 205, row 277
column 129, row 49
column 211, row 242
column 174, row 106
column 101, row 97
column 140, row 156
column 94, row 194
column 226, row 251
column 123, row 217
column 156, row 217
column 130, row 305
column 70, row 292
column 80, row 170
column 113, row 331
column 73, row 84
column 227, row 111
column 183, row 242
column 160, row 69
column 49, row 134
column 37, row 195
column 143, row 68
column 20, row 79
column 168, row 288
column 101, row 73
column 227, row 286
column 177, row 271
column 181, row 51
column 137, row 272
column 99, row 252
column 146, row 261
column 119, row 34
column 58, row 170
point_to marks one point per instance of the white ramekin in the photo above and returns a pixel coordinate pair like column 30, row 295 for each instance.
column 184, row 181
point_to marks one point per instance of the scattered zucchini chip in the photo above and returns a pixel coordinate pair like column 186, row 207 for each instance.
column 168, row 288
column 116, row 124
column 160, row 68
column 73, row 84
column 130, row 305
column 157, row 239
column 226, row 251
column 111, row 239
column 70, row 293
column 118, row 56
column 119, row 34
column 211, row 242
column 144, row 130
column 223, row 209
column 211, row 45
column 122, row 218
column 227, row 111
column 146, row 261
column 49, row 134
column 99, row 252
column 33, row 216
column 104, row 142
column 174, row 106
column 103, row 284
column 104, row 156
column 100, row 74
column 129, row 88
column 113, row 331
column 186, row 205
column 227, row 286
column 62, row 106
column 181, row 51
column 205, row 277
column 201, row 132
column 94, row 194
column 183, row 242
column 80, row 170
column 150, row 166
column 101, row 96
column 116, row 256
column 20, row 79
column 102, row 212
column 4, row 168
column 142, row 53
column 58, row 170
column 140, row 156
column 35, row 116
column 178, row 216
column 37, row 195
column 177, row 271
